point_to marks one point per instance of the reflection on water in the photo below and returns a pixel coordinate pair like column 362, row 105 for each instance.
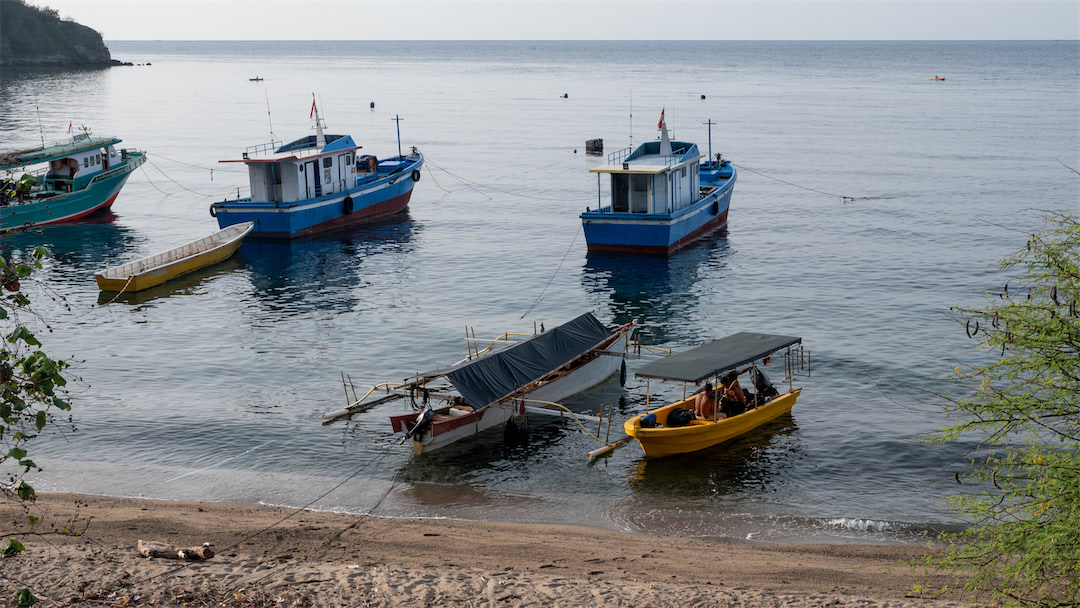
column 746, row 464
column 78, row 250
column 656, row 289
column 186, row 285
column 322, row 270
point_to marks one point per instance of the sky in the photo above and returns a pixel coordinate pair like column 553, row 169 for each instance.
column 574, row 19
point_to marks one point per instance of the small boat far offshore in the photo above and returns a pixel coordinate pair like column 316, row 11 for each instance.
column 318, row 183
column 662, row 198
column 156, row 269
column 72, row 179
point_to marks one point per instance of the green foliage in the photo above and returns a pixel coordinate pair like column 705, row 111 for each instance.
column 30, row 387
column 1023, row 545
column 31, row 35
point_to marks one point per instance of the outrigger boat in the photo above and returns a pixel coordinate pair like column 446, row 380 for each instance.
column 159, row 268
column 662, row 198
column 659, row 436
column 318, row 183
column 72, row 179
column 505, row 380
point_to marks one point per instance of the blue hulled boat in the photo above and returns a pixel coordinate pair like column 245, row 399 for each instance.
column 662, row 197
column 62, row 181
column 318, row 183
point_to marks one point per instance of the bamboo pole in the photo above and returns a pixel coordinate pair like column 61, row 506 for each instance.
column 346, row 388
column 607, row 448
column 600, row 421
column 611, row 414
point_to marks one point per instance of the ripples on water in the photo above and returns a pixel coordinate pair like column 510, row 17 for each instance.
column 211, row 387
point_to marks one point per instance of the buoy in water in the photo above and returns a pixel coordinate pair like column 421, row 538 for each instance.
column 703, row 97
column 373, row 105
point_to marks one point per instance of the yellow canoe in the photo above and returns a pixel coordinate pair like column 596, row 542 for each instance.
column 700, row 434
column 161, row 267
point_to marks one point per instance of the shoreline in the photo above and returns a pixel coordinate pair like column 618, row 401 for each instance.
column 279, row 556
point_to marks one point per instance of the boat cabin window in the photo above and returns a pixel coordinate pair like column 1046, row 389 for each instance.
column 619, row 192
column 639, row 193
column 327, row 162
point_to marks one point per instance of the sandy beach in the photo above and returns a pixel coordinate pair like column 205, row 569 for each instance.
column 83, row 552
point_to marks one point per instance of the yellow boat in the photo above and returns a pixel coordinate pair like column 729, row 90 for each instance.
column 659, row 438
column 161, row 267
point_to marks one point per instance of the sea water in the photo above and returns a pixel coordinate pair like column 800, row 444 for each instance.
column 212, row 387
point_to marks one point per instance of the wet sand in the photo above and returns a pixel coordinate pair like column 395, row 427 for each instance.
column 83, row 552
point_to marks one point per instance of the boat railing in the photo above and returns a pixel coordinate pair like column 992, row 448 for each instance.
column 267, row 148
column 618, row 156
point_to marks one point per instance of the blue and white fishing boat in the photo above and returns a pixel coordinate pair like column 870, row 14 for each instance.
column 662, row 197
column 318, row 183
column 62, row 181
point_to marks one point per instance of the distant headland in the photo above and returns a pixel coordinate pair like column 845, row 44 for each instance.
column 33, row 36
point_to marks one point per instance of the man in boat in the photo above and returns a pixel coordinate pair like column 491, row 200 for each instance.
column 733, row 399
column 705, row 404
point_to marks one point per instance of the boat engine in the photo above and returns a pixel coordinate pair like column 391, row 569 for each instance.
column 423, row 421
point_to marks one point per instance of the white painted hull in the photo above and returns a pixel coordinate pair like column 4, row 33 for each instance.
column 575, row 381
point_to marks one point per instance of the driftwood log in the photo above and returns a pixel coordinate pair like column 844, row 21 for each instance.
column 153, row 548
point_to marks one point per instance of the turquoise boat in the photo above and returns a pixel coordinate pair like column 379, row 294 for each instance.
column 62, row 181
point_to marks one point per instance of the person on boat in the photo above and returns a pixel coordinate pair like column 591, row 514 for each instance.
column 705, row 404
column 733, row 399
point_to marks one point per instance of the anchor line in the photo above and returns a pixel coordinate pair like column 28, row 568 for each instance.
column 182, row 186
column 843, row 199
column 544, row 290
column 375, row 460
column 476, row 186
column 210, row 169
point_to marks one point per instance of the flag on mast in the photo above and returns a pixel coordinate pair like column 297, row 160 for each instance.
column 69, row 127
column 660, row 123
column 312, row 115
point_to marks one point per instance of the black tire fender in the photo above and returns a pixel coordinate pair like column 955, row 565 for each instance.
column 213, row 212
column 622, row 373
column 416, row 175
column 348, row 204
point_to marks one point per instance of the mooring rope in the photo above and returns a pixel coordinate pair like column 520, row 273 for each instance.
column 843, row 199
column 542, row 291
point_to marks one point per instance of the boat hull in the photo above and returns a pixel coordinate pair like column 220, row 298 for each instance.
column 456, row 424
column 700, row 434
column 657, row 233
column 99, row 194
column 366, row 202
column 157, row 269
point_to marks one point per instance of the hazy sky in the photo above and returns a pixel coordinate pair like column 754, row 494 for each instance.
column 575, row 19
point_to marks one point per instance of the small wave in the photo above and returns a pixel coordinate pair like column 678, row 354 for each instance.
column 862, row 525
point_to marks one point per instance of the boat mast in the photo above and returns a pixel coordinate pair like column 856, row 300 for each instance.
column 320, row 137
column 397, row 119
column 710, row 123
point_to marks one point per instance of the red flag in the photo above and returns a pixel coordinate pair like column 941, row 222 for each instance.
column 69, row 126
column 660, row 124
column 312, row 115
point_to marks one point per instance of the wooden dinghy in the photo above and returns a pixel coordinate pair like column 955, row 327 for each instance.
column 156, row 269
column 658, row 432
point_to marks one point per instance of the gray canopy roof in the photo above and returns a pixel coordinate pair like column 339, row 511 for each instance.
column 710, row 358
column 492, row 377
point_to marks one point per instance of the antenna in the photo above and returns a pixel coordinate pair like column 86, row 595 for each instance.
column 41, row 129
column 268, row 115
column 631, row 119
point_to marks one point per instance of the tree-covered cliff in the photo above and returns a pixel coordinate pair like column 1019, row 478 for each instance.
column 32, row 36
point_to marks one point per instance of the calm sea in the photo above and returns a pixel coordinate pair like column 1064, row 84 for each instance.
column 212, row 387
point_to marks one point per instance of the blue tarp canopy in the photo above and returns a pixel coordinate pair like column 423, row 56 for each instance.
column 709, row 359
column 495, row 376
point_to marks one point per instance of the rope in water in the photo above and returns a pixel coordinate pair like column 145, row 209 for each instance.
column 843, row 199
column 557, row 268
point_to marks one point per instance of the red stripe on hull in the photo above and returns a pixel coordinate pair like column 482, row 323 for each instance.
column 69, row 218
column 714, row 224
column 367, row 214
